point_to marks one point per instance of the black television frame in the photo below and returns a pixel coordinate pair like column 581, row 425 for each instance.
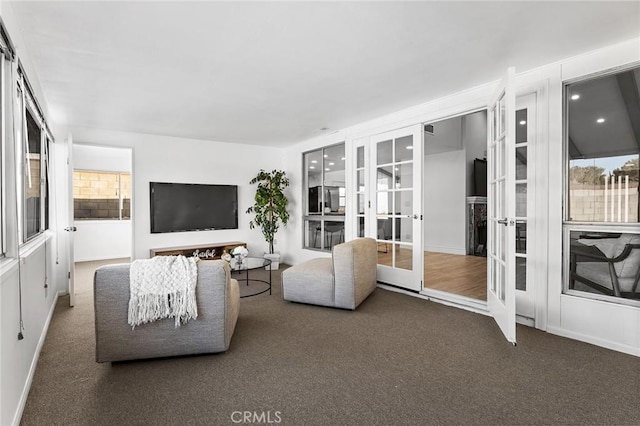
column 152, row 203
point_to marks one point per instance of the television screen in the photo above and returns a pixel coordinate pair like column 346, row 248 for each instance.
column 179, row 207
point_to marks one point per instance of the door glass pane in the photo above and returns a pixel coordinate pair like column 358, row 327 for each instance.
column 501, row 283
column 360, row 203
column 521, row 237
column 494, row 125
column 503, row 117
column 494, row 163
column 501, row 241
column 385, row 178
column 360, row 157
column 385, row 229
column 404, row 175
column 404, row 148
column 313, row 169
column 502, row 158
column 385, row 254
column 384, row 152
column 404, row 203
column 384, row 202
column 404, row 256
column 521, row 200
column 405, row 229
column 521, row 163
column 494, row 276
column 521, row 126
column 360, row 226
column 361, row 184
column 521, row 273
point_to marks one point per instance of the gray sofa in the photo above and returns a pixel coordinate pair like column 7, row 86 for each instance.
column 218, row 301
column 342, row 281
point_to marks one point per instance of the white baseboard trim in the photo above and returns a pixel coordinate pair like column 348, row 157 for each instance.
column 34, row 362
column 595, row 341
column 447, row 250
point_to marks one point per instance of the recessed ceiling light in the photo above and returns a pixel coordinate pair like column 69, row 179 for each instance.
column 410, row 147
column 343, row 158
column 397, row 168
column 326, row 155
column 600, row 120
column 575, row 97
column 332, row 164
column 523, row 122
column 314, row 161
column 312, row 167
column 327, row 169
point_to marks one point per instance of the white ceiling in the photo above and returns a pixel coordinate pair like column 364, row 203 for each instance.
column 274, row 73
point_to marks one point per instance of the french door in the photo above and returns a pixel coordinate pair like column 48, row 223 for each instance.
column 70, row 228
column 394, row 204
column 501, row 216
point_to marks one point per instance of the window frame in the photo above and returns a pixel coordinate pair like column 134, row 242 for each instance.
column 28, row 104
column 568, row 225
column 321, row 217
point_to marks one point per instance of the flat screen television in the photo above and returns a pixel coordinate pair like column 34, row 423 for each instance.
column 177, row 207
column 480, row 177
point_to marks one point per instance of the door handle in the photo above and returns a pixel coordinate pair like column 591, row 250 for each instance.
column 504, row 221
column 71, row 229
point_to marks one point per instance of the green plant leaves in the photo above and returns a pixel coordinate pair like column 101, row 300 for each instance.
column 270, row 207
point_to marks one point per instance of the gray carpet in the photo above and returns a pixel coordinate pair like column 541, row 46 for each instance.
column 397, row 360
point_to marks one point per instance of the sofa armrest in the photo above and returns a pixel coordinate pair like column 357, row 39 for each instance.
column 210, row 332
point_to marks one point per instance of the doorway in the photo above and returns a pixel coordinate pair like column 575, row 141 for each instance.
column 102, row 204
column 455, row 206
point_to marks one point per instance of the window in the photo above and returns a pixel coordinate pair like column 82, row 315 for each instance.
column 32, row 156
column 602, row 238
column 32, row 177
column 101, row 195
column 325, row 197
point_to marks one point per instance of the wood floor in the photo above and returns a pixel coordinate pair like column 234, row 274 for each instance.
column 457, row 274
column 461, row 275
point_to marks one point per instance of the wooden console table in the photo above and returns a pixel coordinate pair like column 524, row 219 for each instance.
column 203, row 251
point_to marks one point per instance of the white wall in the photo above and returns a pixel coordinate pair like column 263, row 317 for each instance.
column 444, row 185
column 102, row 239
column 474, row 140
column 445, row 202
column 169, row 159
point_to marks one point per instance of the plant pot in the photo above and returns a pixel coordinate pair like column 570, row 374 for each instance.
column 275, row 260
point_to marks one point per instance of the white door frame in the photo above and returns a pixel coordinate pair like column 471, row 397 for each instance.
column 410, row 279
column 70, row 228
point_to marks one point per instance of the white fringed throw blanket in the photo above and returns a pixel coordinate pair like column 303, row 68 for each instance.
column 163, row 287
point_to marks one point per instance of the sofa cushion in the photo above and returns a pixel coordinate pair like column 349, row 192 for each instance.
column 309, row 282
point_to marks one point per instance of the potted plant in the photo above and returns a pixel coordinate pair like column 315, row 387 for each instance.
column 270, row 208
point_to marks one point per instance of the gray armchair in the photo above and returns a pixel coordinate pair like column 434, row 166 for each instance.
column 342, row 281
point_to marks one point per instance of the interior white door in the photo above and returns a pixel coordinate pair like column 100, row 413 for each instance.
column 70, row 228
column 395, row 191
column 501, row 216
